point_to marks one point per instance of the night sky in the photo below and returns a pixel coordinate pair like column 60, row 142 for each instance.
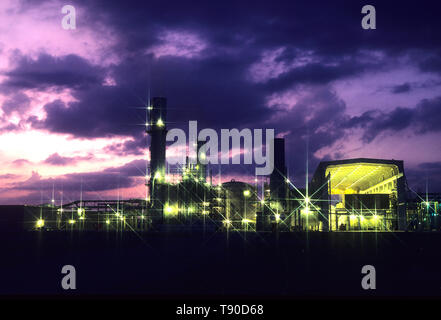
column 72, row 102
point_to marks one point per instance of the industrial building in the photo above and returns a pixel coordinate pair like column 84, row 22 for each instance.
column 360, row 194
column 344, row 195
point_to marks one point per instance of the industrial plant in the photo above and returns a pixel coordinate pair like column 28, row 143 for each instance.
column 344, row 195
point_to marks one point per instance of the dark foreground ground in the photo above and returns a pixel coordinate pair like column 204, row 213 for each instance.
column 198, row 265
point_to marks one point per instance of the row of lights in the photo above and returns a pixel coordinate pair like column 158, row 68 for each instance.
column 159, row 123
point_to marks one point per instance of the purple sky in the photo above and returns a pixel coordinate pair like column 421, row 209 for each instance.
column 71, row 101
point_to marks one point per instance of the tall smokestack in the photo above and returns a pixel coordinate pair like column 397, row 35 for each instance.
column 202, row 168
column 278, row 176
column 156, row 128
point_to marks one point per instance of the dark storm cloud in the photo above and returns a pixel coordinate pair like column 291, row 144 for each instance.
column 136, row 146
column 424, row 118
column 408, row 87
column 135, row 168
column 67, row 71
column 213, row 91
column 378, row 122
column 333, row 27
column 426, row 174
column 91, row 181
column 432, row 63
column 107, row 179
column 57, row 160
column 401, row 88
column 214, row 88
column 431, row 166
column 315, row 73
column 428, row 115
column 311, row 124
column 9, row 127
column 18, row 102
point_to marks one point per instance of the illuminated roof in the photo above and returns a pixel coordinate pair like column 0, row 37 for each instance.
column 359, row 176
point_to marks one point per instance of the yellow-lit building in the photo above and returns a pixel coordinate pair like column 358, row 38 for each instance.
column 360, row 194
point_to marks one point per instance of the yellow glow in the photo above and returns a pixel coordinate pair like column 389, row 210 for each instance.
column 72, row 221
column 160, row 123
column 205, row 212
column 277, row 217
column 275, row 205
column 227, row 221
column 307, row 200
column 40, row 223
column 352, row 216
column 362, row 177
column 171, row 209
column 107, row 221
column 205, row 204
column 247, row 221
column 246, row 193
